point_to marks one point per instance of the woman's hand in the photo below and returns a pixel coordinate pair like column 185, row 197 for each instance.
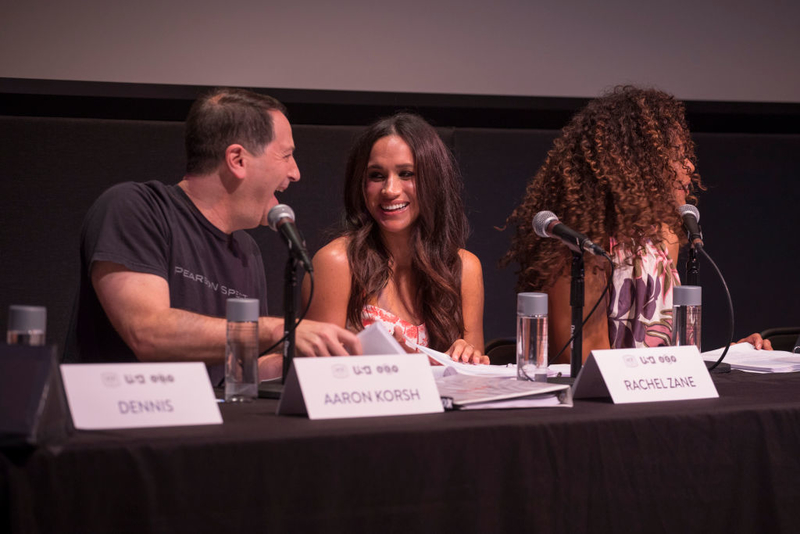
column 757, row 341
column 461, row 351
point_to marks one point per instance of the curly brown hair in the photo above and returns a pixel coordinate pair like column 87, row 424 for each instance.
column 439, row 232
column 609, row 175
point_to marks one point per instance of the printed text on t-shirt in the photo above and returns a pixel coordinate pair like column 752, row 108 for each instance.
column 201, row 279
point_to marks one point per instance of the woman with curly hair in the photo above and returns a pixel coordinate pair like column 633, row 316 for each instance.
column 618, row 173
column 400, row 259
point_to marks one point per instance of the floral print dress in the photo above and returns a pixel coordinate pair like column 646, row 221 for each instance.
column 374, row 314
column 640, row 303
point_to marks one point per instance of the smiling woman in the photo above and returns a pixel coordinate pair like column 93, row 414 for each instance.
column 400, row 259
column 390, row 190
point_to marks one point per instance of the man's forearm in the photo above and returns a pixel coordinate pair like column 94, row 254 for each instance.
column 179, row 335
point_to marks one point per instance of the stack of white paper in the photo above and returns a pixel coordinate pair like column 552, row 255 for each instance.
column 476, row 386
column 481, row 392
column 745, row 357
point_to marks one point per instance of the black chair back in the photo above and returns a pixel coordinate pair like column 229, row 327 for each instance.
column 783, row 338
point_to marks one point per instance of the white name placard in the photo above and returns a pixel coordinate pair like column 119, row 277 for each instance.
column 645, row 375
column 360, row 386
column 136, row 395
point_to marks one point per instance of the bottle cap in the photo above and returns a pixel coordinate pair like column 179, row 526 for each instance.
column 27, row 318
column 687, row 296
column 242, row 310
column 531, row 304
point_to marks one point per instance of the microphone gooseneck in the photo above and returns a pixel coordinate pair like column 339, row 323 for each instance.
column 546, row 224
column 281, row 219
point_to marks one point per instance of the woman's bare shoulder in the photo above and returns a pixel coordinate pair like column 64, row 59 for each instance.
column 333, row 255
column 469, row 262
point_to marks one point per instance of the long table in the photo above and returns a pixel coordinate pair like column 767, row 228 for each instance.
column 718, row 465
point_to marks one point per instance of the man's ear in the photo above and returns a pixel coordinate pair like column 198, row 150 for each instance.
column 235, row 160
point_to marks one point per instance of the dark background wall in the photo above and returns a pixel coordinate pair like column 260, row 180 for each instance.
column 64, row 143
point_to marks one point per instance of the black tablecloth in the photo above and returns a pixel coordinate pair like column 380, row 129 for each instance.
column 719, row 465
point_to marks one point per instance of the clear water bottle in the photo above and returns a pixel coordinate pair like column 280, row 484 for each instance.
column 686, row 315
column 26, row 325
column 532, row 336
column 241, row 351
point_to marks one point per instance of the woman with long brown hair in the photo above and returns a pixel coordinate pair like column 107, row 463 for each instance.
column 617, row 173
column 400, row 259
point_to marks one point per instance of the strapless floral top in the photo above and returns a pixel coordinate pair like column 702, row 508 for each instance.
column 373, row 314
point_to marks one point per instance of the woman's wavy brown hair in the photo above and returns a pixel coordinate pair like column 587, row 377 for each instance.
column 609, row 174
column 438, row 234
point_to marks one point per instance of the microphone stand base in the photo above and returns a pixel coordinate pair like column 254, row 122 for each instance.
column 568, row 380
column 720, row 369
column 270, row 390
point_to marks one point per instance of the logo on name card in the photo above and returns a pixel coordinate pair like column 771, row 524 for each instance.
column 110, row 380
column 630, row 360
column 340, row 371
column 164, row 379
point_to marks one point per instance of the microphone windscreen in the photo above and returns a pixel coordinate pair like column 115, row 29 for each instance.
column 688, row 209
column 541, row 221
column 281, row 211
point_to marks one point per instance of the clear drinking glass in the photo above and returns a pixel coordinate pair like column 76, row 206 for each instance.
column 687, row 313
column 532, row 336
column 26, row 325
column 241, row 351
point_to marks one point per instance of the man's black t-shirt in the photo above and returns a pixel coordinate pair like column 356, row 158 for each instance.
column 155, row 228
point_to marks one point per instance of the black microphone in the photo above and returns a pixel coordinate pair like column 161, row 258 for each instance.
column 281, row 219
column 546, row 224
column 691, row 220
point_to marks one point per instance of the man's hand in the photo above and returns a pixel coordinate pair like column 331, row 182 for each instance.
column 270, row 366
column 312, row 338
